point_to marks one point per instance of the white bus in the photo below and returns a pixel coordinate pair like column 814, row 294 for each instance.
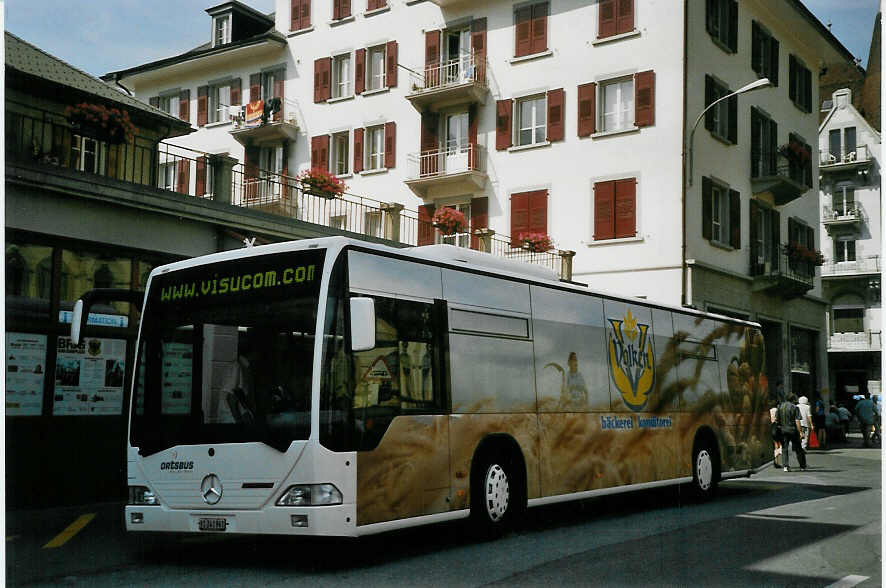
column 337, row 387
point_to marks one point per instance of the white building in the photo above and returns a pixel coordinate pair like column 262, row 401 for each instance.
column 563, row 117
column 851, row 212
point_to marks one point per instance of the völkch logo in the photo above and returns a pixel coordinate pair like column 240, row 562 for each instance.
column 631, row 360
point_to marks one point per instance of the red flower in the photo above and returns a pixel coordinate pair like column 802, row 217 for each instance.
column 449, row 221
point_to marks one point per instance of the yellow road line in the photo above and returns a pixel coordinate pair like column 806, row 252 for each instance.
column 72, row 530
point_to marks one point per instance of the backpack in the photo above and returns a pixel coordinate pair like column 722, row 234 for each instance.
column 786, row 421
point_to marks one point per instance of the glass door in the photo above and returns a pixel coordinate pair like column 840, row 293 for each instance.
column 456, row 142
column 458, row 56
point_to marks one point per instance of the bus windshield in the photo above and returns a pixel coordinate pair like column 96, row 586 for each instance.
column 225, row 354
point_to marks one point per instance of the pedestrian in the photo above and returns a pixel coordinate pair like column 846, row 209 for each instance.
column 790, row 425
column 805, row 420
column 820, row 423
column 832, row 424
column 865, row 412
column 845, row 418
column 876, row 400
column 776, row 435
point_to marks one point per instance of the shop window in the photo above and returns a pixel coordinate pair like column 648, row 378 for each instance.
column 82, row 271
column 27, row 291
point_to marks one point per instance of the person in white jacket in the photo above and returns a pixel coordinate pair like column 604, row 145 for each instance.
column 805, row 420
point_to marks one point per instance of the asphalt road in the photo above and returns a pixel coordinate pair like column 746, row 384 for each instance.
column 816, row 528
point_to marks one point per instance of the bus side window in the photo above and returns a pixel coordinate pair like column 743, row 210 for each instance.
column 397, row 376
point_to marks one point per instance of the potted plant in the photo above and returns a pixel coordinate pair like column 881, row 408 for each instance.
column 105, row 124
column 797, row 252
column 795, row 151
column 449, row 221
column 320, row 182
column 537, row 242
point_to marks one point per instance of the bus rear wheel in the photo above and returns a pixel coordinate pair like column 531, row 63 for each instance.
column 495, row 494
column 705, row 470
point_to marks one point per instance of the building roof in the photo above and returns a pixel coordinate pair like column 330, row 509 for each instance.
column 23, row 57
column 249, row 10
column 822, row 30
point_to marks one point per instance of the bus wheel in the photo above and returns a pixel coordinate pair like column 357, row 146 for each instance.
column 704, row 471
column 495, row 495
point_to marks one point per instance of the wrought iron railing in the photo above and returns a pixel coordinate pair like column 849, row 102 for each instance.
column 780, row 264
column 468, row 68
column 444, row 161
column 851, row 211
column 859, row 154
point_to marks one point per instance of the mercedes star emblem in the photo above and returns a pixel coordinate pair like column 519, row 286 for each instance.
column 211, row 489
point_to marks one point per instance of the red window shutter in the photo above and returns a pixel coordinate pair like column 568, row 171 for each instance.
column 154, row 101
column 184, row 105
column 254, row 87
column 236, row 96
column 425, row 228
column 294, row 15
column 391, row 62
column 278, row 93
column 523, row 33
column 358, row 150
column 322, row 86
column 250, row 170
column 305, row 18
column 539, row 27
column 538, row 212
column 200, row 177
column 429, row 124
column 320, row 152
column 624, row 17
column 336, row 9
column 503, row 112
column 285, row 171
column 555, row 114
column 519, row 217
column 625, row 208
column 587, row 109
column 202, row 105
column 734, row 219
column 432, row 59
column 390, row 144
column 479, row 218
column 473, row 124
column 359, row 71
column 644, row 98
column 607, row 20
column 183, row 181
column 478, row 46
column 604, row 210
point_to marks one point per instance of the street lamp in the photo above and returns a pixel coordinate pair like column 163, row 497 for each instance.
column 761, row 83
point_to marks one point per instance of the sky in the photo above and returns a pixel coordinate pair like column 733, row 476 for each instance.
column 127, row 33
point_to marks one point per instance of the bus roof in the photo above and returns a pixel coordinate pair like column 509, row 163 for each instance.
column 449, row 255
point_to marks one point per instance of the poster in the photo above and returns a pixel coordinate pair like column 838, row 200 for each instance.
column 25, row 369
column 177, row 368
column 89, row 377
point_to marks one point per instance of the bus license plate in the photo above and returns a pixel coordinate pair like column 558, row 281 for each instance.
column 213, row 524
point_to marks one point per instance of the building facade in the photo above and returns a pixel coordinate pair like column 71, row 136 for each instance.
column 851, row 216
column 565, row 118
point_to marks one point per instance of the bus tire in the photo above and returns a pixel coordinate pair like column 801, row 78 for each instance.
column 705, row 470
column 497, row 497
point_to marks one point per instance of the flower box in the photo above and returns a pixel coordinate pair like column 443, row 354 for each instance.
column 797, row 252
column 449, row 221
column 111, row 125
column 319, row 182
column 537, row 242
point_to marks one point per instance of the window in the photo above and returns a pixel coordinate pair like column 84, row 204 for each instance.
column 722, row 23
column 341, row 75
column 300, row 15
column 764, row 144
column 617, row 105
column 219, row 102
column 800, row 86
column 221, row 30
column 799, row 156
column 844, row 200
column 373, row 225
column 764, row 53
column 720, row 216
column 339, row 221
column 615, row 209
column 375, row 147
column 844, row 249
column 456, row 133
column 86, row 154
column 459, row 239
column 764, row 237
column 849, row 320
column 166, row 176
column 341, row 9
column 457, row 59
column 800, row 233
column 721, row 119
column 531, row 120
column 340, row 157
column 841, row 145
column 375, row 68
column 616, row 17
column 169, row 104
column 531, row 29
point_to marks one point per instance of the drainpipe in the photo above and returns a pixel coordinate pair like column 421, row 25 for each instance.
column 119, row 85
column 684, row 299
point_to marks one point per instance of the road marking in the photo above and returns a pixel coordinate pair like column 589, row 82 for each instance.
column 848, row 582
column 72, row 530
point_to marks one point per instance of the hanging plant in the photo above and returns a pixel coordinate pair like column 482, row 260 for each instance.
column 537, row 242
column 106, row 124
column 797, row 252
column 449, row 221
column 320, row 182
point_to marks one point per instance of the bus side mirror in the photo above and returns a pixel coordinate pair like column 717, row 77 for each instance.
column 362, row 324
column 77, row 322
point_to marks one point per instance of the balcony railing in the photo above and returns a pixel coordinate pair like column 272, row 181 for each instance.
column 861, row 265
column 860, row 154
column 454, row 81
column 782, row 274
column 277, row 126
column 771, row 172
column 444, row 161
column 842, row 216
column 861, row 341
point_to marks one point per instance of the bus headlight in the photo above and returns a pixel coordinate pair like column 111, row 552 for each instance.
column 142, row 495
column 310, row 495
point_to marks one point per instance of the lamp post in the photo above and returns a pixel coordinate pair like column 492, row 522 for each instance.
column 761, row 83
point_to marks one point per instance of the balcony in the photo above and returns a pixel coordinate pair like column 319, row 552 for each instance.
column 781, row 275
column 458, row 170
column 771, row 172
column 848, row 342
column 854, row 159
column 841, row 219
column 252, row 126
column 857, row 267
column 457, row 81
